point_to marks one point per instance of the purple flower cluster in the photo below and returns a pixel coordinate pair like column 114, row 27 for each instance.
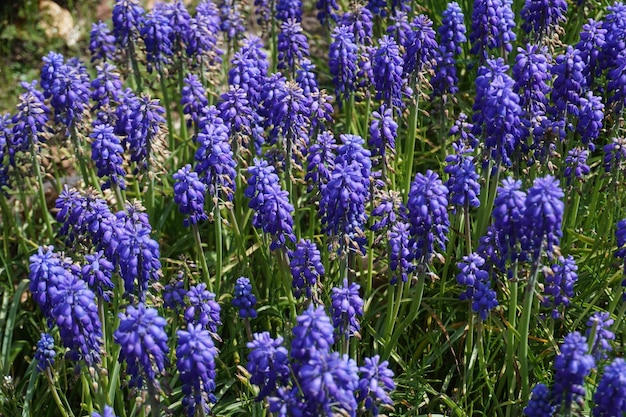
column 101, row 42
column 541, row 403
column 541, row 16
column 342, row 62
column 244, row 299
column 388, row 67
column 347, row 304
column 28, row 123
column 610, row 396
column 293, row 46
column 492, row 27
column 45, row 353
column 202, row 308
column 476, row 279
column 306, row 268
column 599, row 325
column 559, row 284
column 452, row 37
column 270, row 203
column 107, row 152
column 572, row 365
column 189, row 195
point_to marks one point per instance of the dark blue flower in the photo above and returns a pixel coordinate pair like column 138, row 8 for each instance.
column 347, row 304
column 399, row 27
column 428, row 214
column 174, row 294
column 326, row 10
column 543, row 216
column 541, row 17
column 293, row 46
column 541, row 403
column 388, row 66
column 108, row 412
column 5, row 134
column 235, row 110
column 463, row 130
column 145, row 121
column 472, row 271
column 101, row 42
column 497, row 111
column 45, row 353
column 306, row 78
column 361, row 22
column 591, row 44
column 383, row 132
column 194, row 99
column 204, row 28
column 328, row 382
column 45, row 272
column 232, row 23
column 244, row 299
column 195, row 362
column 127, row 19
column 614, row 154
column 215, row 164
column 615, row 25
column 180, row 22
column 249, row 67
column 156, row 33
column 143, row 341
column 202, row 308
column 616, row 78
column 492, row 27
column 571, row 367
column 189, row 194
column 569, row 83
column 610, row 396
column 342, row 62
column 106, row 152
column 599, row 324
column 532, row 76
column 97, row 273
column 401, row 251
column 106, row 87
column 421, row 46
column 452, row 37
column 268, row 363
column 28, row 123
column 508, row 218
column 320, row 160
column 312, row 335
column 576, row 164
column 75, row 312
column 375, row 384
column 289, row 9
column 306, row 268
column 463, row 182
column 270, row 203
column 559, row 284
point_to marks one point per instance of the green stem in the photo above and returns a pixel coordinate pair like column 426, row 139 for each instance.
column 134, row 64
column 203, row 263
column 168, row 111
column 81, row 160
column 153, row 399
column 55, row 394
column 527, row 307
column 42, row 196
column 218, row 248
column 349, row 113
column 510, row 347
column 409, row 152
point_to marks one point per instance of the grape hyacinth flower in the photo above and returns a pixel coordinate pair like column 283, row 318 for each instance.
column 75, row 313
column 610, row 396
column 232, row 23
column 215, row 164
column 375, row 384
column 388, row 67
column 174, row 294
column 290, row 118
column 312, row 335
column 97, row 273
column 569, row 82
column 270, row 203
column 400, row 252
column 320, row 161
column 383, row 132
column 101, row 42
column 614, row 154
column 306, row 78
column 508, row 214
column 203, row 34
column 347, row 304
column 69, row 94
column 45, row 353
column 497, row 112
column 476, row 279
column 572, row 366
column 195, row 362
column 289, row 9
column 106, row 152
column 194, row 99
column 591, row 44
column 361, row 21
column 615, row 25
column 559, row 285
column 143, row 341
column 156, row 33
column 106, row 88
column 399, row 27
column 543, row 216
column 599, row 328
column 452, row 37
column 576, row 164
column 342, row 62
column 235, row 111
column 145, row 121
column 306, row 268
column 326, row 10
column 189, row 194
column 180, row 22
column 249, row 67
column 244, row 299
column 542, row 17
column 293, row 46
column 541, row 403
column 28, row 123
column 532, row 75
column 46, row 271
column 492, row 27
column 5, row 133
column 268, row 364
column 620, row 238
column 616, row 86
column 421, row 46
column 202, row 308
column 463, row 182
column 328, row 382
column 428, row 215
column 108, row 412
column 128, row 17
